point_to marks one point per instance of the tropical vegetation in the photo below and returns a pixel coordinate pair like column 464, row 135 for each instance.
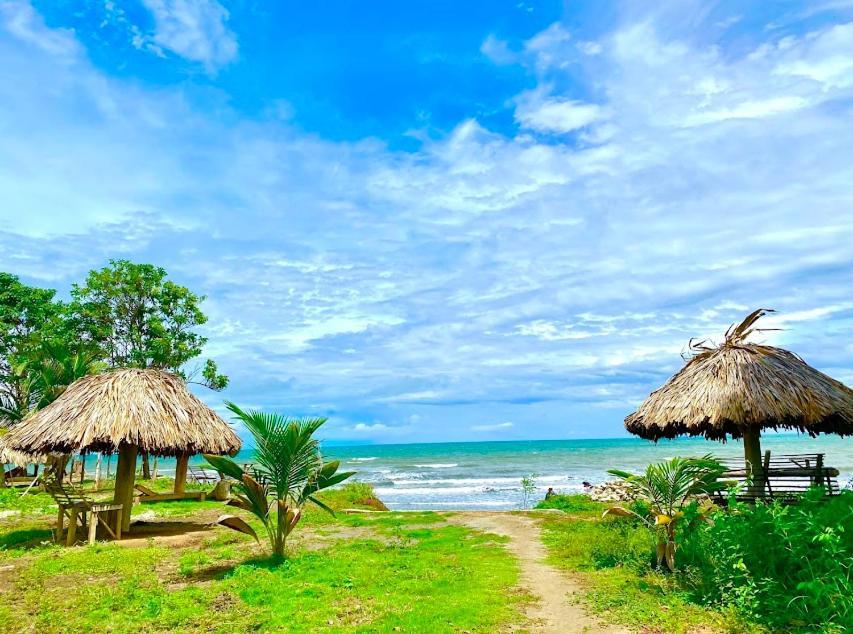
column 288, row 471
column 762, row 567
column 664, row 492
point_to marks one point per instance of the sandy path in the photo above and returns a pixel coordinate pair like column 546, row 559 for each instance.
column 556, row 608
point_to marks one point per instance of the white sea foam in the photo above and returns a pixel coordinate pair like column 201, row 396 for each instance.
column 370, row 459
column 496, row 481
column 458, row 503
column 437, row 465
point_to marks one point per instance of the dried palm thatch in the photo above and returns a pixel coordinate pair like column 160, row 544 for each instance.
column 150, row 409
column 739, row 388
column 18, row 458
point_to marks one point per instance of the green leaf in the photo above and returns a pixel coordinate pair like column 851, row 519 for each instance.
column 237, row 524
column 322, row 505
column 225, row 465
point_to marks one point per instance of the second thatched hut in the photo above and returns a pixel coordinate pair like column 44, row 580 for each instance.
column 737, row 389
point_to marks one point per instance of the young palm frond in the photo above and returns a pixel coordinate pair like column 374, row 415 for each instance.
column 288, row 472
column 667, row 487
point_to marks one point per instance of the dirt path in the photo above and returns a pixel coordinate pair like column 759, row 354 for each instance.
column 556, row 609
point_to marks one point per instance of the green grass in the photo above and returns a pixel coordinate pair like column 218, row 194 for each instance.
column 613, row 559
column 377, row 572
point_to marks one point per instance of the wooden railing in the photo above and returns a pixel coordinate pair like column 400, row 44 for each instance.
column 781, row 477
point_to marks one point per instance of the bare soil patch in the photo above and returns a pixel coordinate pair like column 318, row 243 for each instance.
column 557, row 608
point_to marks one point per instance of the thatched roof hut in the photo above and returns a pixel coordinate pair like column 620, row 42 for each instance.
column 738, row 388
column 150, row 409
column 127, row 411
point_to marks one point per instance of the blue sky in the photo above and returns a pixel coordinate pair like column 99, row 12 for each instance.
column 443, row 220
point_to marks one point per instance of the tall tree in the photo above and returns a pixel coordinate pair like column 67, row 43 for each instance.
column 136, row 317
column 28, row 317
column 139, row 318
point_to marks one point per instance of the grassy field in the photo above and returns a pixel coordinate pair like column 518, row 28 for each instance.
column 378, row 572
column 612, row 558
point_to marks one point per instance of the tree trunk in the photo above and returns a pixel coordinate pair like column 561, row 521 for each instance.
column 752, row 453
column 146, row 467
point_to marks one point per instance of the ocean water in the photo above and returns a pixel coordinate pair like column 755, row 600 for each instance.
column 487, row 475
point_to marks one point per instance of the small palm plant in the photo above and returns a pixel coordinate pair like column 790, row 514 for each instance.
column 289, row 472
column 665, row 489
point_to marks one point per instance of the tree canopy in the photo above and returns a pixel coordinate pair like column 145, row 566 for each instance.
column 124, row 315
column 29, row 317
column 136, row 317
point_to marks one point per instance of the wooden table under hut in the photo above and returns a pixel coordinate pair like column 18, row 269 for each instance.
column 126, row 411
column 736, row 390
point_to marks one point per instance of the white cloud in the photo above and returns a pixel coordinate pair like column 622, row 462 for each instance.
column 556, row 115
column 364, row 428
column 825, row 57
column 194, row 29
column 497, row 50
column 21, row 20
column 494, row 427
column 549, row 46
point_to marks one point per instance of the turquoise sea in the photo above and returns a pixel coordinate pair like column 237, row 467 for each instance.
column 487, row 475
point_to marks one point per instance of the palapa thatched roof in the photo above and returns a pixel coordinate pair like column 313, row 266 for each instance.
column 725, row 389
column 148, row 408
column 19, row 458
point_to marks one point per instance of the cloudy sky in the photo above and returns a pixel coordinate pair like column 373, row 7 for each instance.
column 443, row 220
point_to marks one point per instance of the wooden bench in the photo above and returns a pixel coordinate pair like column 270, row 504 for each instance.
column 783, row 477
column 74, row 505
column 148, row 495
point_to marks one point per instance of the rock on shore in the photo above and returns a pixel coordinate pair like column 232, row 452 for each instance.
column 610, row 491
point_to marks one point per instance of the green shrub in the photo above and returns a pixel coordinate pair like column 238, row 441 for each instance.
column 571, row 503
column 790, row 567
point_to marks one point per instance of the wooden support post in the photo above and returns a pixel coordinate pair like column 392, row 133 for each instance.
column 109, row 464
column 98, row 471
column 118, row 515
column 93, row 527
column 752, row 453
column 72, row 527
column 818, row 480
column 125, row 476
column 60, row 521
column 154, row 470
column 181, row 473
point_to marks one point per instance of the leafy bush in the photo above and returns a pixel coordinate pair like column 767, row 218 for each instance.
column 790, row 567
column 571, row 503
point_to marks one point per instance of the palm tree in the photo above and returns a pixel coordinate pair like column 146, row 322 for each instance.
column 289, row 472
column 667, row 487
column 58, row 367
